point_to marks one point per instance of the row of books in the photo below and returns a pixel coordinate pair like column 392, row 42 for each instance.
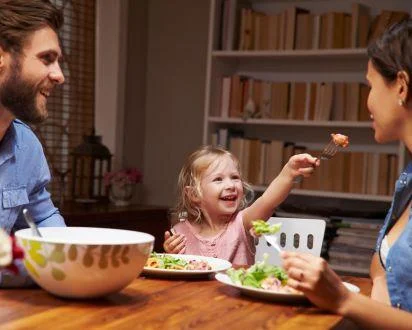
column 298, row 28
column 355, row 172
column 352, row 172
column 352, row 246
column 244, row 97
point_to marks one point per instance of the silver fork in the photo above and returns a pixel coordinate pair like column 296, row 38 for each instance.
column 327, row 153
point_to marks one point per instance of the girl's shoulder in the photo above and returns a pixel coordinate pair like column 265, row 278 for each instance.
column 237, row 219
column 184, row 227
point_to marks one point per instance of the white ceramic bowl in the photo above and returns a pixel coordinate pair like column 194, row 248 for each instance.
column 84, row 262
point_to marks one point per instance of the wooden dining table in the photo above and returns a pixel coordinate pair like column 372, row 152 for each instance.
column 165, row 303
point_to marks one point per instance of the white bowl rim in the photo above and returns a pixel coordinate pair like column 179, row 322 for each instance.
column 26, row 233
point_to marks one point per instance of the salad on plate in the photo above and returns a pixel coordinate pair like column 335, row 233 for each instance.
column 261, row 275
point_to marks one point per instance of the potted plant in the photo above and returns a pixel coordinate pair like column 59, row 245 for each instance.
column 122, row 184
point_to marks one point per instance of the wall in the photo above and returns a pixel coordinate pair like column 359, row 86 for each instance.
column 111, row 33
column 151, row 64
column 176, row 66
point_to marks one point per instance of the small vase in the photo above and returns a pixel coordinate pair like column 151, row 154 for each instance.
column 121, row 195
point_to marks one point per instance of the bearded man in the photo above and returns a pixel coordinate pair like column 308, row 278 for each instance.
column 29, row 70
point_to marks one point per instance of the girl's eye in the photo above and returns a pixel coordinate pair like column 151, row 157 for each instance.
column 217, row 179
column 235, row 177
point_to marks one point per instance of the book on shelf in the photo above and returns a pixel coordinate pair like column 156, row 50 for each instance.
column 384, row 20
column 304, row 28
column 235, row 104
column 355, row 241
column 225, row 96
column 273, row 161
column 360, row 21
column 297, row 28
column 279, row 100
column 295, row 100
column 359, row 232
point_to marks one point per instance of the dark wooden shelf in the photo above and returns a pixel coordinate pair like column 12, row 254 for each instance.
column 149, row 219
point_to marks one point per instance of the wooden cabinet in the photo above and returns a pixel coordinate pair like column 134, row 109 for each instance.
column 149, row 219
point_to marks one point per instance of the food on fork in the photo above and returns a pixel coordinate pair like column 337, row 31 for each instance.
column 340, row 140
column 262, row 227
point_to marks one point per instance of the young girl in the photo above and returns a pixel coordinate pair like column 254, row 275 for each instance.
column 213, row 197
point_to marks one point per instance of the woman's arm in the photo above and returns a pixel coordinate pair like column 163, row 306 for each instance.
column 379, row 287
column 279, row 188
column 324, row 288
column 371, row 314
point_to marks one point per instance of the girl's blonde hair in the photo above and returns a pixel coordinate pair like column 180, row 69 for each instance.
column 189, row 176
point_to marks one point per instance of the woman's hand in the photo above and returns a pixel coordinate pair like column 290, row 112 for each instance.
column 313, row 276
column 174, row 243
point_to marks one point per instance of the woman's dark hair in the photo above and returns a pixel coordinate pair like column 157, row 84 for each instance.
column 392, row 52
column 20, row 18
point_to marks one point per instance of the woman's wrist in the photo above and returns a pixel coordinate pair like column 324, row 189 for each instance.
column 347, row 303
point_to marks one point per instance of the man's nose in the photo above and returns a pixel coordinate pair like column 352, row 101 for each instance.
column 56, row 74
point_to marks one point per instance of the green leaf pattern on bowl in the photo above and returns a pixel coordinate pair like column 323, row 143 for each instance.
column 42, row 255
column 104, row 262
column 115, row 257
column 88, row 259
column 72, row 252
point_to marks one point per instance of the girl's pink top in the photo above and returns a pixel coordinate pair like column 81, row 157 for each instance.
column 233, row 243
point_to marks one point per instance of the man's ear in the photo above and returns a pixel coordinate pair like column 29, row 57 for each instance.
column 192, row 194
column 403, row 85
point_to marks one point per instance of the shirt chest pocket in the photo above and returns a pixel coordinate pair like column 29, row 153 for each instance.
column 12, row 200
column 14, row 197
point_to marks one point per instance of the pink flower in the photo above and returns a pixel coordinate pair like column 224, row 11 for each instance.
column 123, row 177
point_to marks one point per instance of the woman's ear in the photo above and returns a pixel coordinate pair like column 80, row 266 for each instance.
column 2, row 59
column 403, row 86
column 192, row 194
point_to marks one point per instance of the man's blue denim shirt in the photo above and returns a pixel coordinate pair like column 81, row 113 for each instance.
column 24, row 175
column 399, row 259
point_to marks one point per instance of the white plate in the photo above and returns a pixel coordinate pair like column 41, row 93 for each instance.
column 217, row 265
column 271, row 295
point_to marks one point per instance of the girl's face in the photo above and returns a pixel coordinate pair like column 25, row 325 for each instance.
column 387, row 115
column 221, row 188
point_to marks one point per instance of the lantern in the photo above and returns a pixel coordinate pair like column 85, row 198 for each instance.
column 91, row 160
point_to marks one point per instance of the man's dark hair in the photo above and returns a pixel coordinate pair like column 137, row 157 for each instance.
column 20, row 18
column 392, row 52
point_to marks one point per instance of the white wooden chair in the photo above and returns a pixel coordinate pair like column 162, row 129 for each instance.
column 302, row 235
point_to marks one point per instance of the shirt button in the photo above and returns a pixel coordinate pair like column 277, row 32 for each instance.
column 398, row 305
column 389, row 269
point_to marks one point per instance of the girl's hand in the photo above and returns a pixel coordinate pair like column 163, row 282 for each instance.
column 174, row 244
column 253, row 233
column 302, row 164
column 313, row 276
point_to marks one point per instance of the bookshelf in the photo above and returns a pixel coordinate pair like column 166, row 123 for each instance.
column 327, row 72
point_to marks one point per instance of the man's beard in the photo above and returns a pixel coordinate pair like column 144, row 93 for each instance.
column 19, row 97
